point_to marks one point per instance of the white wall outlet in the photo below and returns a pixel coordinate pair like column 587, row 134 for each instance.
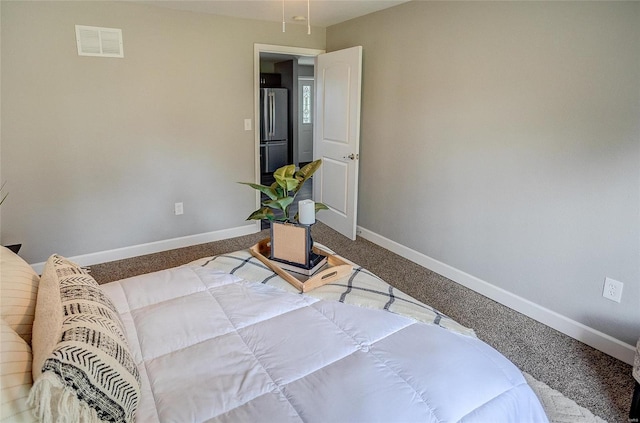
column 247, row 124
column 179, row 209
column 612, row 289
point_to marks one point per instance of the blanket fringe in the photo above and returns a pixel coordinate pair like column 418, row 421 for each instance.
column 53, row 402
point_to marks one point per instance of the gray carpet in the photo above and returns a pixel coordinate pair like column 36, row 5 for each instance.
column 593, row 380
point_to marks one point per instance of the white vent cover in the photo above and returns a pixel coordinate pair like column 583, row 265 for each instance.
column 95, row 41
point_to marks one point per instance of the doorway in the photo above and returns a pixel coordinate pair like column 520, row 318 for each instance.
column 292, row 69
column 292, row 77
column 338, row 79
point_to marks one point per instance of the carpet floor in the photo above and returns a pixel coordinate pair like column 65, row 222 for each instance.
column 598, row 382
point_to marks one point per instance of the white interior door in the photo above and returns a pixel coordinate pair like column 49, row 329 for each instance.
column 337, row 137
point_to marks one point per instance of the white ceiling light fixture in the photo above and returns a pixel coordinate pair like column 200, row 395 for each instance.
column 298, row 18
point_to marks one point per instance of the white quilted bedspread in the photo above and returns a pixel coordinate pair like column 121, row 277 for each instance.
column 213, row 347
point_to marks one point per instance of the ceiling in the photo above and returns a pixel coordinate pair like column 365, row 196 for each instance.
column 323, row 13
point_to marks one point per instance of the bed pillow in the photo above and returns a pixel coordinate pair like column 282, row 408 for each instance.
column 90, row 374
column 18, row 291
column 15, row 376
column 47, row 325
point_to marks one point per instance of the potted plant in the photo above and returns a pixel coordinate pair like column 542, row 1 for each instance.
column 290, row 240
column 282, row 193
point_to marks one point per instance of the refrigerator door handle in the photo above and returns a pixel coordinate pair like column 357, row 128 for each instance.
column 272, row 112
column 265, row 118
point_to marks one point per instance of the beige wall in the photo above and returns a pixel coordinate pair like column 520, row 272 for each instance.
column 96, row 151
column 503, row 139
column 508, row 132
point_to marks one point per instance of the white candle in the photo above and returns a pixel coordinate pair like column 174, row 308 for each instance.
column 307, row 212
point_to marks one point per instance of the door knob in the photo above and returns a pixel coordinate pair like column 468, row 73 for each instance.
column 351, row 156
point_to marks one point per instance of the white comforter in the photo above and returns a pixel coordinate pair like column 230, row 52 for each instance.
column 213, row 347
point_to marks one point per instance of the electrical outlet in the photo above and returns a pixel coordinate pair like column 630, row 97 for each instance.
column 179, row 209
column 612, row 290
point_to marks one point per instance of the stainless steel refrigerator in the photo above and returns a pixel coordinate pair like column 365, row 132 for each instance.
column 274, row 129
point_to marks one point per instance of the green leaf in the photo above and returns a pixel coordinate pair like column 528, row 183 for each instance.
column 284, row 177
column 290, row 184
column 320, row 206
column 263, row 213
column 286, row 171
column 269, row 191
column 282, row 174
column 309, row 169
column 277, row 189
column 280, row 203
column 306, row 172
column 287, row 183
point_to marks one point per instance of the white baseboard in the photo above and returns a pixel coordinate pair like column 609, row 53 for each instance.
column 587, row 335
column 156, row 247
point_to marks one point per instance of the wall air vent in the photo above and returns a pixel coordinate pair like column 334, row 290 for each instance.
column 102, row 42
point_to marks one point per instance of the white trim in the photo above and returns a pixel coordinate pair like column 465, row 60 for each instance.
column 157, row 246
column 585, row 334
column 294, row 51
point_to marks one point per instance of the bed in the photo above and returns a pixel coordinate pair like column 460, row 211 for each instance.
column 225, row 339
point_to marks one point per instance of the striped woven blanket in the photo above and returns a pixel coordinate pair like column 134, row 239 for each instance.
column 361, row 288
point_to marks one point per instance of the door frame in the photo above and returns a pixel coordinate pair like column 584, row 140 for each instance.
column 268, row 48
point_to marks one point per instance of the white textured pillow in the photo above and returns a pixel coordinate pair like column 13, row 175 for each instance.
column 47, row 325
column 90, row 375
column 15, row 376
column 18, row 291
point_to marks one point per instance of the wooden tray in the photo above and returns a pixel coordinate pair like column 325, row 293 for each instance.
column 337, row 268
